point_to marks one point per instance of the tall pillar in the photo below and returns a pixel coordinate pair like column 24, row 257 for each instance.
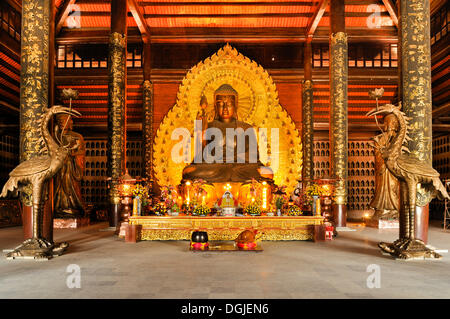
column 338, row 109
column 307, row 115
column 147, row 125
column 34, row 97
column 416, row 86
column 116, row 104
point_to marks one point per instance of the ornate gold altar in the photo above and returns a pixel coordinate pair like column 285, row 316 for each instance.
column 226, row 228
column 258, row 106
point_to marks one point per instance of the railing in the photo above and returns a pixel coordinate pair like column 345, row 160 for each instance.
column 360, row 55
column 94, row 56
column 439, row 25
column 10, row 20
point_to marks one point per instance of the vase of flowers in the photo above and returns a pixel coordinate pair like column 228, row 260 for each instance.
column 169, row 196
column 140, row 193
column 175, row 210
column 314, row 191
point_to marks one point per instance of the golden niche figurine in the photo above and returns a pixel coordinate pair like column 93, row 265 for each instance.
column 68, row 202
column 245, row 165
column 36, row 172
column 387, row 188
column 410, row 172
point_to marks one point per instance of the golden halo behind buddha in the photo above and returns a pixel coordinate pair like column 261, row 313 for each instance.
column 257, row 105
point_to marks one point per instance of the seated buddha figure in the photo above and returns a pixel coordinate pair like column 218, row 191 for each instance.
column 232, row 152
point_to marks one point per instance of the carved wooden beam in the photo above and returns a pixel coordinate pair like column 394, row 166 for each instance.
column 314, row 22
column 63, row 14
column 444, row 109
column 140, row 21
column 392, row 11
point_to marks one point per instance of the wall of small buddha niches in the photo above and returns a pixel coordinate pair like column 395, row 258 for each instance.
column 441, row 162
column 94, row 186
column 9, row 156
column 361, row 174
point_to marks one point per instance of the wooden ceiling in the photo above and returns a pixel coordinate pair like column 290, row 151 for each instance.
column 245, row 22
column 184, row 21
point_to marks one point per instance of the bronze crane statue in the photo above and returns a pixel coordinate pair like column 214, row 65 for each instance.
column 410, row 172
column 36, row 172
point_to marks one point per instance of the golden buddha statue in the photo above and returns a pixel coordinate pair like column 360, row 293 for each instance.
column 232, row 156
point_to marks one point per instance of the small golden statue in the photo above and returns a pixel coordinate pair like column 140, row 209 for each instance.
column 410, row 172
column 387, row 188
column 245, row 165
column 37, row 172
column 68, row 202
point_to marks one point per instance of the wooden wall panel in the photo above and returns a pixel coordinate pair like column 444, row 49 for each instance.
column 164, row 97
column 290, row 95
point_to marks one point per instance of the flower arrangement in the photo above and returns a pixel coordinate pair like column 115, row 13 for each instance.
column 304, row 200
column 279, row 202
column 169, row 196
column 201, row 210
column 294, row 210
column 280, row 199
column 160, row 209
column 175, row 208
column 314, row 190
column 199, row 191
column 253, row 209
column 140, row 191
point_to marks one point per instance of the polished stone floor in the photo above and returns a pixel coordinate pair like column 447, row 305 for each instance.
column 111, row 268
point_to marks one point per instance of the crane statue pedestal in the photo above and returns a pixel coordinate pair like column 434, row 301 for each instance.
column 406, row 248
column 36, row 248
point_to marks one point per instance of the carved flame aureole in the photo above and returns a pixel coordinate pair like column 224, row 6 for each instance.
column 258, row 105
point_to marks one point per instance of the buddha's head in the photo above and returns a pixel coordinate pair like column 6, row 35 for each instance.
column 225, row 103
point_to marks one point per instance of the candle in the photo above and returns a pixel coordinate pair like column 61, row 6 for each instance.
column 264, row 198
column 135, row 204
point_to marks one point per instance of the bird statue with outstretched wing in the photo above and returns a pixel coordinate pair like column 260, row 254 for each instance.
column 36, row 172
column 411, row 172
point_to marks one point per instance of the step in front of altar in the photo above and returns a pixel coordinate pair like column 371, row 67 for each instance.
column 226, row 228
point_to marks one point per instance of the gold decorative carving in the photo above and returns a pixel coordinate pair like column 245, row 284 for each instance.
column 226, row 228
column 116, row 112
column 338, row 114
column 258, row 105
column 416, row 76
column 117, row 39
column 308, row 130
column 33, row 78
column 338, row 37
column 147, row 105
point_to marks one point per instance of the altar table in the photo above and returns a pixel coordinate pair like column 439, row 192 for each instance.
column 226, row 228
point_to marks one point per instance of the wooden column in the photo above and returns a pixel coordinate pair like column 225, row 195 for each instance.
column 34, row 96
column 338, row 109
column 117, row 81
column 147, row 116
column 416, row 86
column 307, row 114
